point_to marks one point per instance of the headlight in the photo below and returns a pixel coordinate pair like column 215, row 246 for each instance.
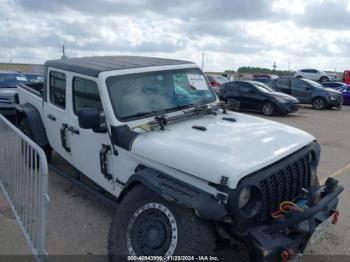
column 333, row 97
column 281, row 100
column 244, row 197
column 249, row 201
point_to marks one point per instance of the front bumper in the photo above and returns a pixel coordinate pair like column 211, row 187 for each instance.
column 288, row 108
column 337, row 103
column 292, row 233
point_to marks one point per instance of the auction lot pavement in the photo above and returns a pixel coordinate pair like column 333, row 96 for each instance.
column 78, row 224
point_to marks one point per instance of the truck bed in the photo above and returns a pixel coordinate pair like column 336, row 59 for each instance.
column 31, row 94
column 34, row 88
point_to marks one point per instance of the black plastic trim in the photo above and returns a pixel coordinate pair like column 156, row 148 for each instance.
column 36, row 124
column 172, row 189
column 123, row 136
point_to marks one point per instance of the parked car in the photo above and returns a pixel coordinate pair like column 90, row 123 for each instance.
column 184, row 171
column 263, row 80
column 268, row 76
column 346, row 93
column 316, row 75
column 9, row 81
column 334, row 84
column 216, row 82
column 346, row 77
column 309, row 92
column 34, row 78
column 258, row 97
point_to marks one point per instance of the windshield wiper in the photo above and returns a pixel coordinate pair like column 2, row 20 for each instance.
column 152, row 113
column 179, row 107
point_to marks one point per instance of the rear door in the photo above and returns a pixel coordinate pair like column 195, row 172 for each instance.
column 284, row 85
column 231, row 90
column 301, row 90
column 55, row 112
column 249, row 97
column 315, row 75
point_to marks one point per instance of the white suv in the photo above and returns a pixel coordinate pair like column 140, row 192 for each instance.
column 314, row 74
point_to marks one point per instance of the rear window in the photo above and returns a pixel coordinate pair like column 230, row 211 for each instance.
column 58, row 89
column 245, row 88
column 283, row 85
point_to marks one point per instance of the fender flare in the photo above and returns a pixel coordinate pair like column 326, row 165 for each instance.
column 35, row 122
column 206, row 206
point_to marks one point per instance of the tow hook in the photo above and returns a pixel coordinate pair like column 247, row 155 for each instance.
column 335, row 215
column 287, row 255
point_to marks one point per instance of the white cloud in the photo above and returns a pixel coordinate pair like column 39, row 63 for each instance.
column 231, row 33
column 288, row 6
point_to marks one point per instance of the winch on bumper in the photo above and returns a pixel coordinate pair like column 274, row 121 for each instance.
column 289, row 235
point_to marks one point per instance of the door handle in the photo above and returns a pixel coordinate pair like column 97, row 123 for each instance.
column 73, row 130
column 51, row 117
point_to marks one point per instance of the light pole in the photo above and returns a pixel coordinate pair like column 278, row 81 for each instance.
column 203, row 61
column 8, row 39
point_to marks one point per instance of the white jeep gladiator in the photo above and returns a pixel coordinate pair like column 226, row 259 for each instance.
column 188, row 176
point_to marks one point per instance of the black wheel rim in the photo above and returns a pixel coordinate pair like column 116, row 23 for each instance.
column 152, row 231
column 318, row 103
column 267, row 109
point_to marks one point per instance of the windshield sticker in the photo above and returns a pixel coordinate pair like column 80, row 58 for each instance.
column 197, row 82
column 21, row 78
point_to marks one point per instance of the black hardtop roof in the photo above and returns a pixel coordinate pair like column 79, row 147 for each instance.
column 92, row 66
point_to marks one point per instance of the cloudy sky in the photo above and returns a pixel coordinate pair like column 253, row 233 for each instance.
column 231, row 33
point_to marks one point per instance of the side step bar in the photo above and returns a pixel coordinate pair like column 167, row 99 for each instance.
column 104, row 198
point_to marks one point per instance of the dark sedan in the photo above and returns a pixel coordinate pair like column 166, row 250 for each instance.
column 258, row 97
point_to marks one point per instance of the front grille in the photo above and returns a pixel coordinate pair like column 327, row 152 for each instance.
column 284, row 185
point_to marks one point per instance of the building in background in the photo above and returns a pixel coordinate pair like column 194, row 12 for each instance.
column 30, row 68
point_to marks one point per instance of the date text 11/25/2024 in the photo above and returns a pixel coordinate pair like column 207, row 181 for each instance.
column 173, row 258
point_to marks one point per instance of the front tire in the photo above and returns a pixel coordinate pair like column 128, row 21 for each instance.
column 268, row 109
column 319, row 103
column 145, row 224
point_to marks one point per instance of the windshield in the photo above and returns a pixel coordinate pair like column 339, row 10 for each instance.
column 140, row 95
column 263, row 88
column 11, row 80
column 34, row 78
column 313, row 83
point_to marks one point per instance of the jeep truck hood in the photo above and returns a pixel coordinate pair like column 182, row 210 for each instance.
column 231, row 149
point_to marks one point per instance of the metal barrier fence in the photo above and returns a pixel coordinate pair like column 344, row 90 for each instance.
column 24, row 182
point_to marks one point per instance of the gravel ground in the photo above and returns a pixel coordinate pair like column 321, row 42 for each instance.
column 78, row 224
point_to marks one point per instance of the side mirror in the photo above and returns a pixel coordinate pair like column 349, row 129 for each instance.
column 89, row 118
column 308, row 88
